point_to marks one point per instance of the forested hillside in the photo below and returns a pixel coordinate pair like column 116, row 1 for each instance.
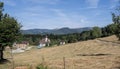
column 95, row 32
column 64, row 30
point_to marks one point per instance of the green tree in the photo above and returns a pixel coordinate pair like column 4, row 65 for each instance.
column 71, row 38
column 9, row 30
column 112, row 29
column 104, row 32
column 85, row 35
column 96, row 32
column 116, row 20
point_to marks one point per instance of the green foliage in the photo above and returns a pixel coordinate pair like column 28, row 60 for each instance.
column 68, row 38
column 9, row 29
column 41, row 66
column 110, row 29
column 71, row 38
column 116, row 20
column 85, row 35
column 96, row 32
column 32, row 39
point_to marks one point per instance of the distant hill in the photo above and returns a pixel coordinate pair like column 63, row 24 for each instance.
column 64, row 30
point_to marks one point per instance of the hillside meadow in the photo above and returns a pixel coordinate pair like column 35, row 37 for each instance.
column 101, row 53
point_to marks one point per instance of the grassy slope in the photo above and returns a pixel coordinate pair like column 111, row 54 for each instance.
column 53, row 56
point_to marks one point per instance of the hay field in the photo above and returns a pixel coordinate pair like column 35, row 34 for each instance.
column 91, row 54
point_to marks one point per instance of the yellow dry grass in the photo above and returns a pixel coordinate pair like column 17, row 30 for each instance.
column 110, row 38
column 80, row 55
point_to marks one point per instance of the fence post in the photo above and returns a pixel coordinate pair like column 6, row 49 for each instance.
column 64, row 62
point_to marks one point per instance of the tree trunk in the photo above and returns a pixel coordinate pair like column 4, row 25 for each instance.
column 1, row 53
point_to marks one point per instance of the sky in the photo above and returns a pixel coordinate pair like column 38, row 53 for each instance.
column 53, row 14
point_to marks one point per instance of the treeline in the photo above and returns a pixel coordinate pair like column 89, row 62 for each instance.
column 96, row 32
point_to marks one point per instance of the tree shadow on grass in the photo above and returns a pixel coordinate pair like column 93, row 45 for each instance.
column 93, row 54
column 4, row 61
column 117, row 67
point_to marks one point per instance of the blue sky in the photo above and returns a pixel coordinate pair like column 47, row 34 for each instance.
column 51, row 14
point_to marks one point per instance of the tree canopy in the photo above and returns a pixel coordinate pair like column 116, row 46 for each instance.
column 116, row 20
column 9, row 30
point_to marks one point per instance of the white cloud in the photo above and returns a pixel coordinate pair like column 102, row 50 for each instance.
column 63, row 17
column 92, row 3
column 69, row 19
column 37, row 15
column 59, row 12
column 56, row 18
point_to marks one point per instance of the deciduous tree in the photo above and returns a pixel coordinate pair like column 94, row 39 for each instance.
column 9, row 30
column 116, row 20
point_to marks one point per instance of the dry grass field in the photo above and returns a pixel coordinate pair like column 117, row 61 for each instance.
column 91, row 54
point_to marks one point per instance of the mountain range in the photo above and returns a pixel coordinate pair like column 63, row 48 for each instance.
column 64, row 30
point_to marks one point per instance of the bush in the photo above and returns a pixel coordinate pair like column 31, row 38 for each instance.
column 41, row 66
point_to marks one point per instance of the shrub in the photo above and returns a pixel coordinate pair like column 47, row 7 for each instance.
column 41, row 66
